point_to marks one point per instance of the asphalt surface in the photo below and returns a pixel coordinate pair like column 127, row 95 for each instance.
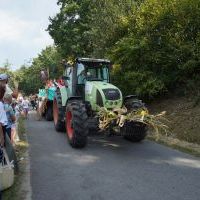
column 109, row 168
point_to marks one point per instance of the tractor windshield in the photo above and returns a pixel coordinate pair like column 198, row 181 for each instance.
column 92, row 72
column 99, row 73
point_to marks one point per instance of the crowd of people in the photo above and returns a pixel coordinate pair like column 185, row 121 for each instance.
column 7, row 112
column 12, row 105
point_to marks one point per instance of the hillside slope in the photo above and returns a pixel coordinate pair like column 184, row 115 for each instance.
column 184, row 116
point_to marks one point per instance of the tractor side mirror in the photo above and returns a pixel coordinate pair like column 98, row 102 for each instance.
column 89, row 74
column 65, row 78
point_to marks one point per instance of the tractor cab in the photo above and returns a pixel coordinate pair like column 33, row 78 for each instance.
column 89, row 70
column 92, row 70
column 84, row 71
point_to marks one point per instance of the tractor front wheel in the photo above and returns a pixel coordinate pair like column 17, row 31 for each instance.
column 76, row 124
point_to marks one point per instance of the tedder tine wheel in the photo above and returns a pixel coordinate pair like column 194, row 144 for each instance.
column 76, row 124
column 134, row 131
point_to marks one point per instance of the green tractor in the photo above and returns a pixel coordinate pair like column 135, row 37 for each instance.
column 86, row 88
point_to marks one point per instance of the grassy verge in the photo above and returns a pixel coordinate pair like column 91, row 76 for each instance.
column 17, row 192
column 175, row 143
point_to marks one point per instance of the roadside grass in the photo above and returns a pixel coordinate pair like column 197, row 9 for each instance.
column 186, row 147
column 16, row 192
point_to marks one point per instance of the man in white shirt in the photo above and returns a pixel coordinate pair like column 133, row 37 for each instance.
column 3, row 122
column 3, row 117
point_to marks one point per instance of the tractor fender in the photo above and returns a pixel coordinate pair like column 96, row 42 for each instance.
column 72, row 98
column 64, row 95
column 132, row 101
column 130, row 97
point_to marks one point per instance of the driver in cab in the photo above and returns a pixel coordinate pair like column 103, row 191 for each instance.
column 82, row 77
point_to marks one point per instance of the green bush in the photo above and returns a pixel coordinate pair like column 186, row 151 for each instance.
column 156, row 43
column 162, row 50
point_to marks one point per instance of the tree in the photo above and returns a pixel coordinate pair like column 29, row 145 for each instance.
column 29, row 76
column 154, row 44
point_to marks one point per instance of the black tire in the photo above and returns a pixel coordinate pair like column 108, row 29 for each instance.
column 49, row 113
column 134, row 131
column 58, row 112
column 77, row 124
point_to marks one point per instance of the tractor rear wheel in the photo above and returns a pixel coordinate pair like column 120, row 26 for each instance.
column 58, row 112
column 76, row 124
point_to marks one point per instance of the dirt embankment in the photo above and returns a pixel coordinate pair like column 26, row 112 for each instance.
column 184, row 116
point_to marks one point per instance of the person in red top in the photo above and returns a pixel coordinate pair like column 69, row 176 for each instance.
column 60, row 82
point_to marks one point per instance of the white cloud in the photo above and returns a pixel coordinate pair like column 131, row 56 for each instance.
column 22, row 29
column 43, row 39
column 11, row 27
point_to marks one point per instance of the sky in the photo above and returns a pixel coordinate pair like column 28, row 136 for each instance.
column 22, row 29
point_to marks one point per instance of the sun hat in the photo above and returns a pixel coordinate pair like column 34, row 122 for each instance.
column 3, row 77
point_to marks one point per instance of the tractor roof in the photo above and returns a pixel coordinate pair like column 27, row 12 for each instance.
column 92, row 60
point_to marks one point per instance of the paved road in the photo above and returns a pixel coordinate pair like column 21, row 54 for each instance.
column 108, row 169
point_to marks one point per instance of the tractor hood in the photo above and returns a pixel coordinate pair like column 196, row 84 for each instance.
column 102, row 85
column 102, row 94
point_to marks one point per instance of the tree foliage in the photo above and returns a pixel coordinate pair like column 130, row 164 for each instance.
column 153, row 44
column 28, row 77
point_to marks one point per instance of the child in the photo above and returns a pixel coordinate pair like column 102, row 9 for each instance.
column 25, row 104
column 10, row 113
